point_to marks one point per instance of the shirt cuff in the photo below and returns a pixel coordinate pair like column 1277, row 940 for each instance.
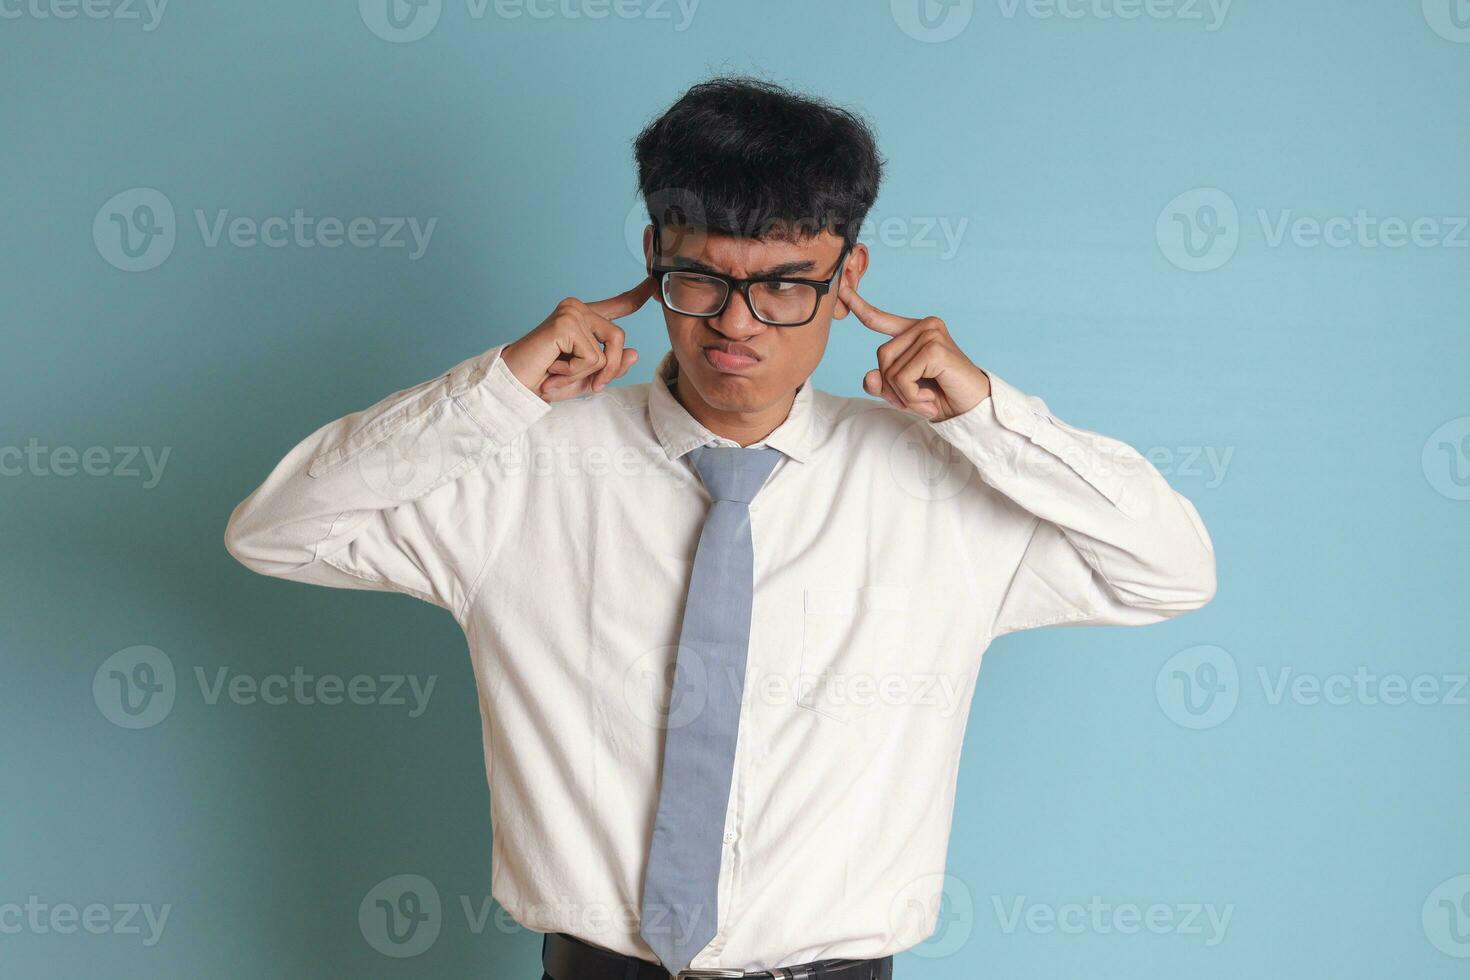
column 491, row 394
column 1004, row 409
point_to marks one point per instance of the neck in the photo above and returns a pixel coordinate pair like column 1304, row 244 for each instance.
column 742, row 427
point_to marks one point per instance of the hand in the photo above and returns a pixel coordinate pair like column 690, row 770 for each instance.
column 921, row 370
column 577, row 349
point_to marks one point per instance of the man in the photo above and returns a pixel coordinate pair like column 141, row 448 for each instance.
column 725, row 626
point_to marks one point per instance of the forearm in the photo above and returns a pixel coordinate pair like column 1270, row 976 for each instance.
column 1142, row 538
column 348, row 477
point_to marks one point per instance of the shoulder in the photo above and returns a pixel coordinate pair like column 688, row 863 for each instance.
column 916, row 451
column 858, row 415
column 604, row 411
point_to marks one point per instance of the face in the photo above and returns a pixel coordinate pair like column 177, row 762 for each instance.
column 734, row 363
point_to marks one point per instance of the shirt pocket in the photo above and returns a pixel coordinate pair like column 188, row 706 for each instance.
column 851, row 639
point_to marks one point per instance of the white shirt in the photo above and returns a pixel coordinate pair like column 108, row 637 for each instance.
column 889, row 552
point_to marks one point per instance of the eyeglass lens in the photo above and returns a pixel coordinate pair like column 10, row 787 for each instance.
column 774, row 302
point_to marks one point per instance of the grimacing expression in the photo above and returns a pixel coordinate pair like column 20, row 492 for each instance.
column 734, row 362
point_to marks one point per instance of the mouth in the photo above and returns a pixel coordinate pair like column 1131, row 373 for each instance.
column 730, row 357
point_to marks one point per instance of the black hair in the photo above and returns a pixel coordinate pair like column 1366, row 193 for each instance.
column 742, row 156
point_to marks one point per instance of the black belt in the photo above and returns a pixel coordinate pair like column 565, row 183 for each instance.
column 565, row 957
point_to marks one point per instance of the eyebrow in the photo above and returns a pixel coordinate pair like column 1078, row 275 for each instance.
column 784, row 269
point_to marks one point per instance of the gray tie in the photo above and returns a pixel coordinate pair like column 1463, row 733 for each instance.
column 680, row 891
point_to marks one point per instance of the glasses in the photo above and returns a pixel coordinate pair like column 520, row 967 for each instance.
column 778, row 301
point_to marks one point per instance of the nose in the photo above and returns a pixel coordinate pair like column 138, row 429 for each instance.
column 735, row 320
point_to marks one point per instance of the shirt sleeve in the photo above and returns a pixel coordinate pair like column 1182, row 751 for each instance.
column 1111, row 542
column 394, row 497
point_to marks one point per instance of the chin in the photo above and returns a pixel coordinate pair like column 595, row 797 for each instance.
column 729, row 392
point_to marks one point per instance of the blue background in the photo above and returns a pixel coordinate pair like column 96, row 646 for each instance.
column 1322, row 375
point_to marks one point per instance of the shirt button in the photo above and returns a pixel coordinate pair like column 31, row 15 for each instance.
column 729, row 838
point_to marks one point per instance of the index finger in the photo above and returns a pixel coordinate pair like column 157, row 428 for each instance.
column 872, row 317
column 624, row 303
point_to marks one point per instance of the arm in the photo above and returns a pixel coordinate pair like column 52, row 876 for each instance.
column 1111, row 541
column 398, row 496
column 371, row 500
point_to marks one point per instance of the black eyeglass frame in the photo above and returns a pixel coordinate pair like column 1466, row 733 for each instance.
column 743, row 285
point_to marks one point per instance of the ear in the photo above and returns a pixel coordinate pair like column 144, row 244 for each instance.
column 852, row 274
column 647, row 246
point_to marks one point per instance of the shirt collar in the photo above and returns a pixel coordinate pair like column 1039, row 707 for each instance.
column 679, row 432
